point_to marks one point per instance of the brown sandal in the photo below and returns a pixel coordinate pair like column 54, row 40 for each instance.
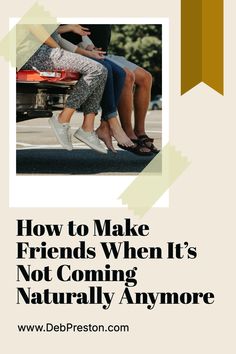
column 148, row 143
column 137, row 148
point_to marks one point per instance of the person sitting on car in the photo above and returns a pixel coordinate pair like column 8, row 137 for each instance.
column 136, row 91
column 87, row 92
column 111, row 94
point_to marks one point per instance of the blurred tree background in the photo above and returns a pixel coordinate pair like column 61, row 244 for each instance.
column 141, row 44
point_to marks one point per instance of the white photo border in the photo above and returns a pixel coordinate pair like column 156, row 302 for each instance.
column 69, row 191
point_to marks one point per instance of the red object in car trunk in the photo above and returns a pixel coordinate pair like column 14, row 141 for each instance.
column 48, row 76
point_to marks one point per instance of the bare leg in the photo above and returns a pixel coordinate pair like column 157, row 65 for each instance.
column 143, row 81
column 88, row 123
column 65, row 115
column 104, row 134
column 110, row 128
column 118, row 132
column 126, row 104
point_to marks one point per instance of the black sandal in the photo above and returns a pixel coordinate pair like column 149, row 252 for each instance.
column 137, row 148
column 148, row 143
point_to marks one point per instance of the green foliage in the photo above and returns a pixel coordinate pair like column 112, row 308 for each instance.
column 141, row 44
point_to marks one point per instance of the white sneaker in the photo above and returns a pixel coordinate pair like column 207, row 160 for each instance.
column 62, row 132
column 90, row 139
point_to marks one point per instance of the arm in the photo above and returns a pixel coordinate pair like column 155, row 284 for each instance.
column 88, row 44
column 82, row 31
column 43, row 36
column 70, row 47
column 76, row 49
column 95, row 54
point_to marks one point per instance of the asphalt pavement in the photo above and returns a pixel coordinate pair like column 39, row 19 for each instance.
column 37, row 151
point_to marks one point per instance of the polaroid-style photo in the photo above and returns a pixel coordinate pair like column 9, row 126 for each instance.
column 90, row 110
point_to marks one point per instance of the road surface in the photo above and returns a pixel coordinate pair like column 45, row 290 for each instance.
column 39, row 153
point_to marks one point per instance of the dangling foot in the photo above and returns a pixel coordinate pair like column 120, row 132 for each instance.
column 90, row 139
column 103, row 132
column 119, row 133
column 147, row 142
column 62, row 132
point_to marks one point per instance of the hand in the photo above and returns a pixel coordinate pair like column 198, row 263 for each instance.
column 82, row 31
column 96, row 54
column 92, row 47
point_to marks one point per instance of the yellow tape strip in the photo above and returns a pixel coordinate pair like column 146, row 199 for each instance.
column 19, row 44
column 151, row 184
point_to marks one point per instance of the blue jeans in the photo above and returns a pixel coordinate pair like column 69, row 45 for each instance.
column 112, row 91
